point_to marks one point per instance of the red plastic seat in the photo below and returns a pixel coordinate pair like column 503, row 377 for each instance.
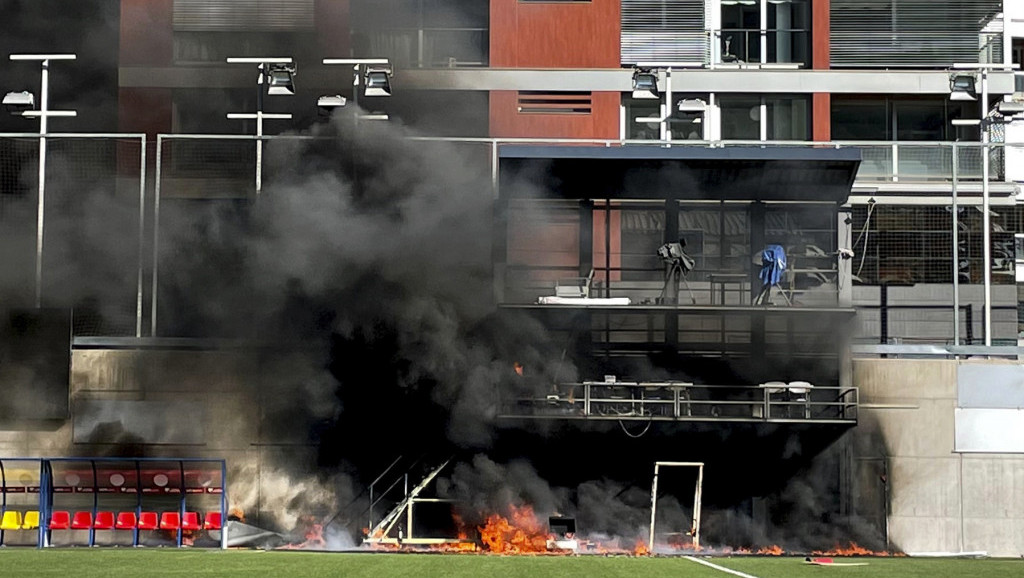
column 125, row 521
column 147, row 521
column 190, row 521
column 170, row 520
column 60, row 520
column 81, row 521
column 104, row 521
column 212, row 521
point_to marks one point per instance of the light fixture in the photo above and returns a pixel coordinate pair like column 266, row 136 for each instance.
column 691, row 105
column 961, row 87
column 645, row 84
column 1010, row 108
column 18, row 102
column 281, row 79
column 327, row 104
column 378, row 82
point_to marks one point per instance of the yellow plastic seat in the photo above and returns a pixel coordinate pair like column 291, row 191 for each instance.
column 11, row 520
column 30, row 521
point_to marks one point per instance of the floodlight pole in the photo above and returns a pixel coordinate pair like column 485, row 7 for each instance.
column 956, row 247
column 986, row 225
column 261, row 83
column 357, row 65
column 986, row 221
column 44, row 113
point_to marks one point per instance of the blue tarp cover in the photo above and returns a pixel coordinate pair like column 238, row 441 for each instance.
column 773, row 265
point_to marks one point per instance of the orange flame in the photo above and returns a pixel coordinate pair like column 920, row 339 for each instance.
column 523, row 534
column 773, row 550
column 641, row 549
column 852, row 550
column 455, row 547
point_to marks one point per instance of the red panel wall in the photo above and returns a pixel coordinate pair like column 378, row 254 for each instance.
column 147, row 39
column 332, row 28
column 821, row 104
column 555, row 35
column 147, row 32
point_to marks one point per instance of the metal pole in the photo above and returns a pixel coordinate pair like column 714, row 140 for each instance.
column 259, row 130
column 142, row 235
column 44, row 101
column 156, row 233
column 494, row 168
column 956, row 249
column 696, row 506
column 654, row 507
column 986, row 237
column 666, row 106
column 223, row 505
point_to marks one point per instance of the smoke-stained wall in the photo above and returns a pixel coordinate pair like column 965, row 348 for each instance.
column 938, row 500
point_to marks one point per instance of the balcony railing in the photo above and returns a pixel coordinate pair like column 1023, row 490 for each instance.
column 773, row 402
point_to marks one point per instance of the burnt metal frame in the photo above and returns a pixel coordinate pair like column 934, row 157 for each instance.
column 695, row 527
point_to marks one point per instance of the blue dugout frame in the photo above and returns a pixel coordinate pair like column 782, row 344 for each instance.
column 45, row 490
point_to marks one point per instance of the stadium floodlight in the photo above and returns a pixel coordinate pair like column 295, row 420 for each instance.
column 281, row 79
column 276, row 77
column 962, row 87
column 378, row 82
column 18, row 102
column 645, row 84
column 26, row 105
column 374, row 72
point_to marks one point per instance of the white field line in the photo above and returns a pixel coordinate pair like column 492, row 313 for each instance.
column 717, row 567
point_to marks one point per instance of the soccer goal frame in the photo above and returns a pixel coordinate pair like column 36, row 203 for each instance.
column 695, row 528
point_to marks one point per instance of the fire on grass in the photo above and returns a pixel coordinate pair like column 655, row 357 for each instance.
column 775, row 550
column 521, row 532
column 518, row 533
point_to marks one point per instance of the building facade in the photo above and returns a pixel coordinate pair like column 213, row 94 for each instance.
column 733, row 78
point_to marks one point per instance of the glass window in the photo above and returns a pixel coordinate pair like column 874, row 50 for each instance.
column 789, row 23
column 741, row 117
column 422, row 33
column 788, row 118
column 741, row 32
column 921, row 120
column 688, row 116
column 860, row 119
column 642, row 108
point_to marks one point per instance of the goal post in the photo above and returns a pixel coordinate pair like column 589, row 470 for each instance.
column 695, row 527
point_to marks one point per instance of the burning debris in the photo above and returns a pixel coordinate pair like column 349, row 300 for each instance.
column 520, row 533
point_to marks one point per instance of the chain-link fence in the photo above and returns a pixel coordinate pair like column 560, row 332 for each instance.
column 82, row 246
column 213, row 199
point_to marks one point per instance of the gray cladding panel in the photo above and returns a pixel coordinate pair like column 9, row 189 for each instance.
column 990, row 386
column 989, row 430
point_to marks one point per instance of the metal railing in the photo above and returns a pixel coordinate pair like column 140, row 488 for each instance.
column 211, row 166
column 674, row 401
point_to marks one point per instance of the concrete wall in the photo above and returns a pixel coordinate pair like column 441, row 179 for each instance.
column 939, row 500
column 186, row 404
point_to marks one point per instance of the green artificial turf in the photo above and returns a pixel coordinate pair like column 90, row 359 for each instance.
column 84, row 563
